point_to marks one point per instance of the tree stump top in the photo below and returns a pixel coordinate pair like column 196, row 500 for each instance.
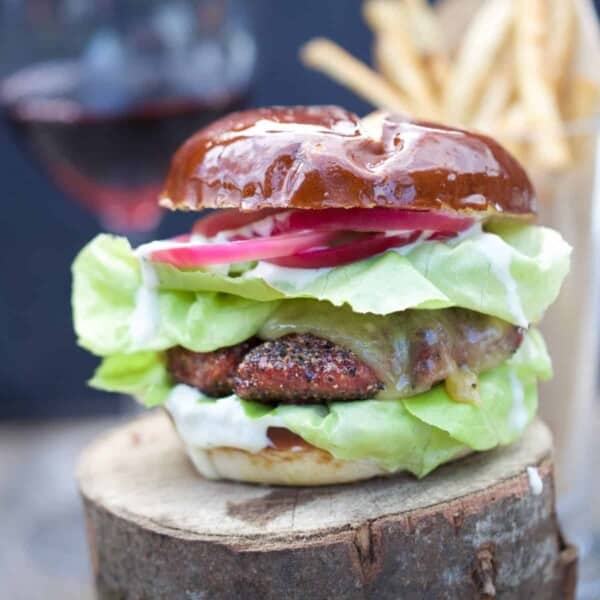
column 139, row 471
column 482, row 527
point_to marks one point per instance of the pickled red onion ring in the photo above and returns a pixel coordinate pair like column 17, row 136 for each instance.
column 345, row 253
column 197, row 255
column 370, row 220
column 229, row 219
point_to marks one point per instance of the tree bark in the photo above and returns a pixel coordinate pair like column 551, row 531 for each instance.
column 476, row 528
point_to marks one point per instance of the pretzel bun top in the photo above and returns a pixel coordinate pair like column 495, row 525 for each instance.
column 316, row 157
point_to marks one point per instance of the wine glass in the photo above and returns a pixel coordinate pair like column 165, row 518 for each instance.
column 102, row 92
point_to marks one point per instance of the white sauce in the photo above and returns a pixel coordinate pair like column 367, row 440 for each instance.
column 146, row 314
column 403, row 250
column 475, row 229
column 535, row 481
column 217, row 423
column 145, row 319
column 276, row 275
column 553, row 249
column 499, row 256
column 518, row 417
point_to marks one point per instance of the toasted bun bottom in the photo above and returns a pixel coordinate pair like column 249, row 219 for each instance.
column 308, row 467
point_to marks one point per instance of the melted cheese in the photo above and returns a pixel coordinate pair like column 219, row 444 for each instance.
column 391, row 345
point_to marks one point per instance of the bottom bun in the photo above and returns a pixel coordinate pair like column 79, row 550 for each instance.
column 307, row 467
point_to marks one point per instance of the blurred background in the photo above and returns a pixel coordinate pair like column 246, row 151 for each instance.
column 95, row 95
column 49, row 214
column 44, row 225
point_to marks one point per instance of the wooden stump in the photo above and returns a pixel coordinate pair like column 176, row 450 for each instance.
column 477, row 528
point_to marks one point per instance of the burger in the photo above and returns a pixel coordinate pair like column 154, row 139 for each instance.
column 361, row 301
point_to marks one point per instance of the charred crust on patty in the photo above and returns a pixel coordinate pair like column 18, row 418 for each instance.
column 304, row 369
column 211, row 372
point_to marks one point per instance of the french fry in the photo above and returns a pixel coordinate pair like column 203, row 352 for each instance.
column 403, row 66
column 495, row 98
column 532, row 26
column 454, row 17
column 580, row 108
column 385, row 16
column 385, row 63
column 582, row 99
column 424, row 27
column 514, row 122
column 429, row 38
column 397, row 54
column 326, row 56
column 587, row 46
column 487, row 33
column 523, row 71
column 512, row 131
column 561, row 39
column 440, row 71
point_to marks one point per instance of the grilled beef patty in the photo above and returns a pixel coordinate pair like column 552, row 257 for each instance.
column 210, row 372
column 303, row 368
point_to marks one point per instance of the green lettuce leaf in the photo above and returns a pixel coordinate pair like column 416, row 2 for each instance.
column 142, row 375
column 417, row 434
column 512, row 272
column 379, row 430
column 106, row 281
column 508, row 400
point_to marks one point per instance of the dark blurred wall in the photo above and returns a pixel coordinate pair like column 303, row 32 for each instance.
column 42, row 372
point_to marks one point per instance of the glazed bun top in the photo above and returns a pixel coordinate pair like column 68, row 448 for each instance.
column 316, row 157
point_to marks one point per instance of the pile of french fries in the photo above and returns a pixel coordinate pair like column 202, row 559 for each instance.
column 508, row 68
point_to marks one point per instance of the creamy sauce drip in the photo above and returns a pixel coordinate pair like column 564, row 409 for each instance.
column 518, row 416
column 207, row 423
column 286, row 276
column 499, row 255
column 145, row 319
column 536, row 483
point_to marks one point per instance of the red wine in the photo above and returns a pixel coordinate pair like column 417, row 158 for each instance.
column 112, row 160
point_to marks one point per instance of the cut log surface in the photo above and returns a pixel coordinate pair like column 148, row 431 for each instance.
column 477, row 528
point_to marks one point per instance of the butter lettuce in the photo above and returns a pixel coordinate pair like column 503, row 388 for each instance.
column 511, row 271
column 142, row 375
column 422, row 432
column 417, row 434
column 508, row 400
column 106, row 282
